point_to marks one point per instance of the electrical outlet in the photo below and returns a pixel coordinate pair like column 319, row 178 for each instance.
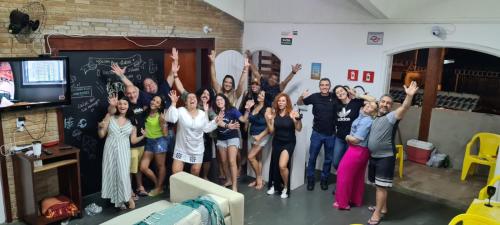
column 20, row 123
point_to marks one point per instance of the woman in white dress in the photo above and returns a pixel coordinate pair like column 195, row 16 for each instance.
column 191, row 124
column 116, row 156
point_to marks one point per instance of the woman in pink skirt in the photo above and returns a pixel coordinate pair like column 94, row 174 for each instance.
column 351, row 172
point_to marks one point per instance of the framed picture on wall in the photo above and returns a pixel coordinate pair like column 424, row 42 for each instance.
column 316, row 71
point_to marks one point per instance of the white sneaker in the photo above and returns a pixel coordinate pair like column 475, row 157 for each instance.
column 284, row 194
column 270, row 191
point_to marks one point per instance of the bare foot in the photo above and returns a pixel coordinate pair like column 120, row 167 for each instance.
column 252, row 184
column 260, row 184
column 131, row 204
column 227, row 184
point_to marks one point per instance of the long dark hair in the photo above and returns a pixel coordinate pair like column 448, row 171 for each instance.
column 230, row 77
column 227, row 105
column 129, row 114
column 211, row 93
column 160, row 109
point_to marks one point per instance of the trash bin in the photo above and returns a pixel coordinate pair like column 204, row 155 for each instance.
column 419, row 151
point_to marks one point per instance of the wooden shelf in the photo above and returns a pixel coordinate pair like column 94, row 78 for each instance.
column 54, row 165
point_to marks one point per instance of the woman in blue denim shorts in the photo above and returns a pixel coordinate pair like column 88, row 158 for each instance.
column 156, row 144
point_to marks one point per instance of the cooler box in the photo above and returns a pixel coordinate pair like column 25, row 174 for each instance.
column 419, row 151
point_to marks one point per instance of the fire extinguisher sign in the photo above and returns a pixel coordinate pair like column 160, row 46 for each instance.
column 368, row 76
column 352, row 75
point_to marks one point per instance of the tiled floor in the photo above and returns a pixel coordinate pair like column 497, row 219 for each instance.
column 440, row 185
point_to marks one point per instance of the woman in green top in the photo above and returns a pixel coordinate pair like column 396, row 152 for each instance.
column 156, row 144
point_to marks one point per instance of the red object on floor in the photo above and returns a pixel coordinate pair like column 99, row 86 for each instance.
column 419, row 151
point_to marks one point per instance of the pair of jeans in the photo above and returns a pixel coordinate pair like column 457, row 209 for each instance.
column 339, row 151
column 317, row 140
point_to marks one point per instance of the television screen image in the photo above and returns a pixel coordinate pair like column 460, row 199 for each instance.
column 28, row 82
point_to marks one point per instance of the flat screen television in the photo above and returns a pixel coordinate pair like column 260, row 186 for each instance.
column 33, row 82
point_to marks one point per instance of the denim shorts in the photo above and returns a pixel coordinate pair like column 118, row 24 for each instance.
column 157, row 145
column 229, row 142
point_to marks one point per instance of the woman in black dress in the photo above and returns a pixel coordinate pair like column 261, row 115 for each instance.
column 282, row 122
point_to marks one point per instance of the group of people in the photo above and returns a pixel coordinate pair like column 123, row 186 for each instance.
column 353, row 129
column 356, row 132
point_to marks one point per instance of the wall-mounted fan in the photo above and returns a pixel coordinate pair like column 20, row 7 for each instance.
column 26, row 24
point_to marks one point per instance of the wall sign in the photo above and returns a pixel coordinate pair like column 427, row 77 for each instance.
column 375, row 38
column 286, row 41
column 368, row 76
column 352, row 75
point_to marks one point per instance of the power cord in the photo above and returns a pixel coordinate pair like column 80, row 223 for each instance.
column 44, row 129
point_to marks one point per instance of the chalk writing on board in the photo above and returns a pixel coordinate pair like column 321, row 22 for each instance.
column 82, row 123
column 134, row 61
column 89, row 145
column 100, row 89
column 115, row 87
column 68, row 123
column 76, row 133
column 81, row 92
column 89, row 104
column 152, row 66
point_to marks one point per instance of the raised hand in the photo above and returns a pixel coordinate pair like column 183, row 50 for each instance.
column 352, row 93
column 175, row 67
column 294, row 115
column 296, row 68
column 117, row 70
column 269, row 115
column 212, row 56
column 162, row 117
column 305, row 94
column 175, row 55
column 412, row 89
column 220, row 117
column 173, row 96
column 113, row 99
column 248, row 54
column 246, row 64
column 206, row 107
column 249, row 104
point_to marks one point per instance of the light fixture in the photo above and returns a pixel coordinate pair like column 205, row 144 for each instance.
column 207, row 29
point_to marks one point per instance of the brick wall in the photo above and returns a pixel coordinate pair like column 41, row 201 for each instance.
column 107, row 18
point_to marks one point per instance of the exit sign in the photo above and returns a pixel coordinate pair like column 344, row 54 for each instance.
column 286, row 41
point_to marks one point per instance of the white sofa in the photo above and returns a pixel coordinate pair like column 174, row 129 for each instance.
column 184, row 186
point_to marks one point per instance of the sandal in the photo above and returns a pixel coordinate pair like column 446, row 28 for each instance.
column 141, row 192
column 373, row 222
column 252, row 184
column 155, row 192
column 372, row 209
column 336, row 205
column 135, row 197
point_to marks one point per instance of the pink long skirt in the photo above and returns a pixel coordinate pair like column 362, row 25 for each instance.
column 351, row 177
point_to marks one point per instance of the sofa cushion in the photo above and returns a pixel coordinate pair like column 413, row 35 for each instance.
column 223, row 203
column 139, row 214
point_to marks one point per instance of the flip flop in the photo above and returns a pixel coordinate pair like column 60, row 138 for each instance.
column 141, row 193
column 372, row 209
column 135, row 197
column 373, row 222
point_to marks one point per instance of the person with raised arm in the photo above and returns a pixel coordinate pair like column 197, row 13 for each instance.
column 382, row 148
column 192, row 123
column 258, row 138
column 270, row 83
column 351, row 171
column 282, row 122
column 323, row 134
column 205, row 96
column 228, row 140
column 348, row 105
column 119, row 131
column 228, row 86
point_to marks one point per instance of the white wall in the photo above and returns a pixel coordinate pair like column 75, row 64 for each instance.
column 2, row 205
column 340, row 47
column 305, row 11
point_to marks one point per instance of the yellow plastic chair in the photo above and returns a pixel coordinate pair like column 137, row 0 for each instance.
column 471, row 219
column 482, row 192
column 400, row 156
column 487, row 153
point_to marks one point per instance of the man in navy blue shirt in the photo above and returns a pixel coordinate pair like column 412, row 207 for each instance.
column 323, row 134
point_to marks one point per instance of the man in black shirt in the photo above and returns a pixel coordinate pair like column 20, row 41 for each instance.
column 324, row 107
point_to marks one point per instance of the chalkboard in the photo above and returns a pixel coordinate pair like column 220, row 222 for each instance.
column 91, row 83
